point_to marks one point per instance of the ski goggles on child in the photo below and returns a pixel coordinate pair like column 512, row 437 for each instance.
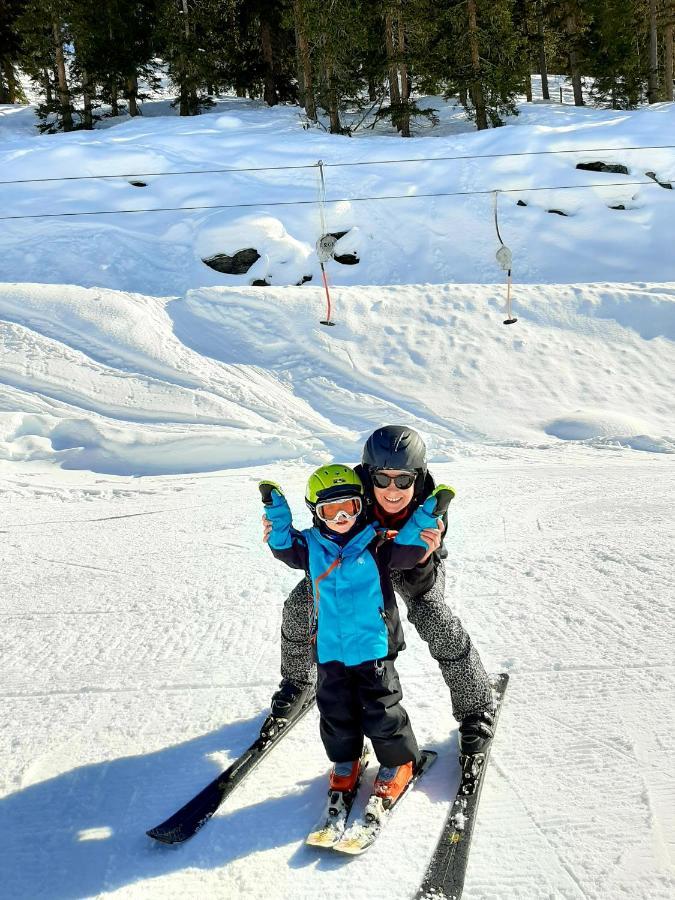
column 339, row 510
column 402, row 481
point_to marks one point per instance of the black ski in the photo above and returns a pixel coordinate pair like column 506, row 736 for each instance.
column 444, row 878
column 195, row 814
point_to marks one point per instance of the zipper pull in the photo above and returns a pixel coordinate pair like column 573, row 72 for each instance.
column 384, row 615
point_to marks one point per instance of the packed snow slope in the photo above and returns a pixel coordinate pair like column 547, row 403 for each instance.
column 616, row 231
column 129, row 384
column 140, row 646
column 143, row 394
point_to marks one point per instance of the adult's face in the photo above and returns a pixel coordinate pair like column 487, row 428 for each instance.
column 393, row 499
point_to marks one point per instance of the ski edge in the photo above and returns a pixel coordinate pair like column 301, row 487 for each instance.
column 432, row 886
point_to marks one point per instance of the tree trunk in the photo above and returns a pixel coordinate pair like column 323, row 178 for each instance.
column 8, row 83
column 522, row 12
column 476, row 88
column 542, row 54
column 372, row 89
column 653, row 86
column 573, row 56
column 193, row 101
column 306, row 75
column 114, row 99
column 184, row 101
column 333, row 104
column 463, row 97
column 668, row 61
column 4, row 88
column 132, row 95
column 404, row 121
column 394, row 90
column 48, row 86
column 87, row 117
column 64, row 93
column 269, row 90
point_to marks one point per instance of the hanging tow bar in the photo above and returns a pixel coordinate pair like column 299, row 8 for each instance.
column 325, row 246
column 505, row 260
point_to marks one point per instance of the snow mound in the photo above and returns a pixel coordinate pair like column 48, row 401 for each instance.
column 283, row 259
column 607, row 427
column 583, row 425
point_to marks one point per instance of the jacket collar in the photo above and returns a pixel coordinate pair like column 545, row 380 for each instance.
column 353, row 547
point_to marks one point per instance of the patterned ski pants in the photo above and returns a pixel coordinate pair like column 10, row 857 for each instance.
column 449, row 644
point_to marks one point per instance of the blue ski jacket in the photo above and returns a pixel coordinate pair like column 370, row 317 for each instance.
column 355, row 613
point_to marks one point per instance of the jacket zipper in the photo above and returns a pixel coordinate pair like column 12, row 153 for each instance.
column 317, row 593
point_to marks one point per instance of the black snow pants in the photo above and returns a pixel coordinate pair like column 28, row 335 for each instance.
column 449, row 644
column 363, row 700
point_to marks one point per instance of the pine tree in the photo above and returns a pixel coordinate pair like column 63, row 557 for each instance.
column 10, row 52
column 478, row 55
column 616, row 53
column 46, row 41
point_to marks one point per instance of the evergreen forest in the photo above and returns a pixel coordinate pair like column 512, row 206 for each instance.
column 370, row 59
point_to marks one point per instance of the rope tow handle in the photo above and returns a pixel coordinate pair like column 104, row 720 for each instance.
column 325, row 246
column 505, row 260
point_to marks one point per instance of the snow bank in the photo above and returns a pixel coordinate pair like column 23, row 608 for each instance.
column 130, row 384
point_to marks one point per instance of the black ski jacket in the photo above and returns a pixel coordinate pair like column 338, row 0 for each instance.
column 421, row 578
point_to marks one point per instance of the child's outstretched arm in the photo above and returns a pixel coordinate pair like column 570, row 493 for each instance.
column 408, row 547
column 284, row 541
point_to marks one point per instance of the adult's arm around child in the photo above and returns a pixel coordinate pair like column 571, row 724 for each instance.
column 408, row 546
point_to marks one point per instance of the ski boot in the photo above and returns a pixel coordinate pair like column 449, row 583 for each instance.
column 342, row 787
column 391, row 782
column 344, row 776
column 475, row 732
column 287, row 702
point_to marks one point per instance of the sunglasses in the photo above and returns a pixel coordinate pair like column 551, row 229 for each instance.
column 344, row 510
column 406, row 480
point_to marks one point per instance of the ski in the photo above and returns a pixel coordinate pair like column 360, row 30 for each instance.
column 363, row 833
column 444, row 878
column 330, row 828
column 190, row 818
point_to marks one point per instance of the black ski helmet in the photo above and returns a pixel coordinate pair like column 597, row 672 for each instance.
column 396, row 447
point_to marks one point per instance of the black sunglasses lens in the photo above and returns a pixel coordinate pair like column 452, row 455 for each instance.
column 404, row 481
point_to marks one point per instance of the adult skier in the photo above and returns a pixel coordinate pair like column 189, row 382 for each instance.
column 396, row 481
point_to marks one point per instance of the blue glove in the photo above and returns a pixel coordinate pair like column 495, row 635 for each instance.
column 425, row 516
column 278, row 512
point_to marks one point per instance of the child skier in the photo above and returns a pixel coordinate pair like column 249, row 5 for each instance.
column 355, row 627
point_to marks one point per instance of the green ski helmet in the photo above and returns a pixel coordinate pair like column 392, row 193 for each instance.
column 332, row 482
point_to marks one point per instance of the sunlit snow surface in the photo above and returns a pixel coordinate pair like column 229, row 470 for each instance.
column 142, row 395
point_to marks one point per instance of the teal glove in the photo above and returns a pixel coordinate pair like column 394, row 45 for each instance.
column 278, row 512
column 425, row 516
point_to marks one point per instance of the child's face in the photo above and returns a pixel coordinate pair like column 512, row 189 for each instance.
column 340, row 515
column 341, row 527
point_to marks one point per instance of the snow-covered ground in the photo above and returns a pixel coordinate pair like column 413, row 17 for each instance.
column 142, row 395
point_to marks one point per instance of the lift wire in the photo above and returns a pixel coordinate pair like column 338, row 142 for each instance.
column 262, row 203
column 365, row 162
